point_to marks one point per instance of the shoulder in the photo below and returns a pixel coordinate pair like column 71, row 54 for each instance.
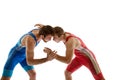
column 70, row 37
column 30, row 40
column 72, row 41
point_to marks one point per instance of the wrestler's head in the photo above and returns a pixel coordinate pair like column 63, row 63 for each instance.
column 47, row 32
column 58, row 34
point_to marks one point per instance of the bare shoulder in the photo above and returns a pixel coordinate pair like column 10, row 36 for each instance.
column 28, row 41
column 70, row 43
column 73, row 42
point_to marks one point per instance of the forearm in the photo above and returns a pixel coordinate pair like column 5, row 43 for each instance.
column 37, row 61
column 62, row 59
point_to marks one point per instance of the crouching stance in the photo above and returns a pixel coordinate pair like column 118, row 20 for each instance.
column 23, row 52
column 83, row 55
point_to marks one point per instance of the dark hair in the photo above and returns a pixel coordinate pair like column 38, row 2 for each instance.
column 58, row 31
column 46, row 30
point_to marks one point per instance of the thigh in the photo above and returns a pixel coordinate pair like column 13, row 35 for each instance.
column 74, row 65
column 25, row 66
column 9, row 66
column 89, row 65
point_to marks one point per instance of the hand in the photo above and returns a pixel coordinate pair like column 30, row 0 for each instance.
column 51, row 55
column 47, row 50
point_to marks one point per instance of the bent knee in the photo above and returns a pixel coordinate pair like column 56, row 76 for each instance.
column 67, row 73
column 32, row 73
column 5, row 78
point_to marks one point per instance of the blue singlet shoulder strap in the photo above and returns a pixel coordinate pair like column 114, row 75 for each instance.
column 29, row 33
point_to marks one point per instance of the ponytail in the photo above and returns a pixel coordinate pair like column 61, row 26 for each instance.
column 38, row 25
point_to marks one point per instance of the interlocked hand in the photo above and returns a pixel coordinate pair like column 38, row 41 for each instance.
column 50, row 54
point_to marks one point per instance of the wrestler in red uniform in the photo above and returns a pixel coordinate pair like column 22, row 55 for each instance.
column 83, row 56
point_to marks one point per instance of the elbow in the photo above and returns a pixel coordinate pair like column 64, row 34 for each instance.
column 68, row 61
column 29, row 62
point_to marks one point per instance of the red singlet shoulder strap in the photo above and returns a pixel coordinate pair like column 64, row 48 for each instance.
column 67, row 38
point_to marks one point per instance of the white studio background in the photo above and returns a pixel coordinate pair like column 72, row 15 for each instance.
column 97, row 22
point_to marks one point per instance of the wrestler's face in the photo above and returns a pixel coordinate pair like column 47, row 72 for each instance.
column 56, row 38
column 47, row 38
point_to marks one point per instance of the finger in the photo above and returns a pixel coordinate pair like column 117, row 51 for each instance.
column 53, row 55
column 47, row 48
column 54, row 51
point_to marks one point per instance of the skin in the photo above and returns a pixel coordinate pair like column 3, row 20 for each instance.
column 30, row 43
column 71, row 44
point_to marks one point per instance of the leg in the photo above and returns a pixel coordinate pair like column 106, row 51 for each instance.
column 8, row 70
column 73, row 66
column 9, row 67
column 87, row 62
column 5, row 78
column 68, row 75
column 32, row 74
column 29, row 69
column 6, row 74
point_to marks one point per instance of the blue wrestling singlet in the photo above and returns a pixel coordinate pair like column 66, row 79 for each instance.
column 17, row 55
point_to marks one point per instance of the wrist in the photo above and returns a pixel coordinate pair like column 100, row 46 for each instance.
column 47, row 59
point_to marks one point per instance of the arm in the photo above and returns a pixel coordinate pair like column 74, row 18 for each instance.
column 70, row 46
column 30, row 45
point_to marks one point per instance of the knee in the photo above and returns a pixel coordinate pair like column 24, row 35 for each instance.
column 5, row 78
column 33, row 74
column 67, row 73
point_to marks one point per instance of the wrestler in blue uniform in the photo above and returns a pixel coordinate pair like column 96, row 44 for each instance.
column 17, row 55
